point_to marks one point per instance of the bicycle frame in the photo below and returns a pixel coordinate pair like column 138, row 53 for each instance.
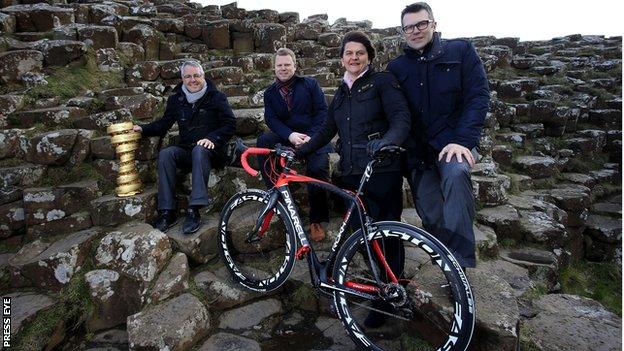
column 319, row 270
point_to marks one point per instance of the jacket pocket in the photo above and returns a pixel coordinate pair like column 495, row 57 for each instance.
column 447, row 77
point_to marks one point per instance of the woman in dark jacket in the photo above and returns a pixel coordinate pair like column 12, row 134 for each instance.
column 368, row 112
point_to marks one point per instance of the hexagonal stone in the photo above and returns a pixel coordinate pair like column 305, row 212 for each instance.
column 605, row 229
column 226, row 75
column 229, row 342
column 40, row 17
column 517, row 276
column 491, row 191
column 52, row 148
column 115, row 296
column 172, row 280
column 135, row 249
column 23, row 175
column 216, row 34
column 98, row 37
column 268, row 37
column 221, row 289
column 176, row 324
column 111, row 210
column 51, row 116
column 536, row 166
column 24, row 307
column 56, row 265
column 141, row 106
column 101, row 120
column 538, row 227
column 14, row 64
column 504, row 219
column 61, row 52
column 251, row 315
column 147, row 37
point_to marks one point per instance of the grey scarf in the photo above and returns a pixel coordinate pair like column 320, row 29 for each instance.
column 192, row 97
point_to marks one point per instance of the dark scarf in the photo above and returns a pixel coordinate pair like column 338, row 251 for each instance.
column 285, row 89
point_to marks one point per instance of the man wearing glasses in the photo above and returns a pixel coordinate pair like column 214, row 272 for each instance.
column 447, row 91
column 206, row 123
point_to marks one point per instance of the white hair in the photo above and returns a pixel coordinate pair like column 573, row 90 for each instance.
column 192, row 63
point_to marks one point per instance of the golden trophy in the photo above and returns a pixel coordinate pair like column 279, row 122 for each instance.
column 126, row 141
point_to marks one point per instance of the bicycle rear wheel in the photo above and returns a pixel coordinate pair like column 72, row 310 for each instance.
column 258, row 262
column 433, row 307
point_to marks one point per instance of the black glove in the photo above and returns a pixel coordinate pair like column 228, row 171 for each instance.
column 303, row 151
column 375, row 145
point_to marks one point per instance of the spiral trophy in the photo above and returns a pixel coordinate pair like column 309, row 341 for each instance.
column 125, row 141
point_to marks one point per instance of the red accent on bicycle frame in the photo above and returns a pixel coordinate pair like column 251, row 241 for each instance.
column 302, row 251
column 362, row 287
column 252, row 151
column 265, row 224
column 382, row 260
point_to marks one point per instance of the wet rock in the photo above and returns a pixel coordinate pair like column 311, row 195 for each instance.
column 57, row 264
column 135, row 249
column 111, row 210
column 568, row 322
column 176, row 324
column 115, row 297
column 536, row 167
column 221, row 290
column 14, row 64
column 333, row 330
column 229, row 342
column 172, row 280
column 251, row 315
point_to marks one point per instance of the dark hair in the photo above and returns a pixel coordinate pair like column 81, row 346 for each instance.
column 417, row 7
column 358, row 37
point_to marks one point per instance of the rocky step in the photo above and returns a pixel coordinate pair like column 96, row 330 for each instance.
column 25, row 306
column 51, row 117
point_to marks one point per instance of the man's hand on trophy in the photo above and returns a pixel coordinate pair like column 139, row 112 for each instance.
column 137, row 129
column 206, row 143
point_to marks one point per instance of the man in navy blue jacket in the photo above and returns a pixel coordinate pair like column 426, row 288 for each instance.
column 448, row 96
column 294, row 109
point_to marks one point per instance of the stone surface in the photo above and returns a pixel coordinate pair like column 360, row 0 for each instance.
column 175, row 325
column 251, row 315
column 111, row 210
column 135, row 249
column 229, row 342
column 221, row 290
column 535, row 166
column 504, row 219
column 172, row 280
column 25, row 306
column 568, row 322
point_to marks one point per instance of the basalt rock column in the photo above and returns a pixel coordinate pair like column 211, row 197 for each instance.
column 125, row 141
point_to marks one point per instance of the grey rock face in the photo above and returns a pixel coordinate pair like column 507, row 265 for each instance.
column 137, row 250
column 172, row 280
column 248, row 316
column 25, row 306
column 568, row 322
column 229, row 342
column 176, row 325
column 221, row 290
column 535, row 166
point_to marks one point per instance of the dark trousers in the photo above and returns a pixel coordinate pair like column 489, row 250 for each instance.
column 445, row 203
column 317, row 166
column 197, row 161
column 383, row 198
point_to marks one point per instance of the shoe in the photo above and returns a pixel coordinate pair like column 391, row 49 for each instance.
column 317, row 232
column 165, row 220
column 376, row 319
column 192, row 221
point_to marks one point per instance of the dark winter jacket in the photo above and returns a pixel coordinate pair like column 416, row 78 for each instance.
column 308, row 112
column 448, row 96
column 374, row 108
column 210, row 117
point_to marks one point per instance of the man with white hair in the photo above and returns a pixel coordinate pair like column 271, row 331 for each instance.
column 206, row 123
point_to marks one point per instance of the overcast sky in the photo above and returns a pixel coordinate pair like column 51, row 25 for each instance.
column 526, row 19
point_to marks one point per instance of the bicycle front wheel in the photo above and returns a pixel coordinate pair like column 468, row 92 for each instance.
column 430, row 308
column 260, row 262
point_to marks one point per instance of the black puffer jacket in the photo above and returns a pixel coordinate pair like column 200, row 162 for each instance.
column 210, row 117
column 374, row 108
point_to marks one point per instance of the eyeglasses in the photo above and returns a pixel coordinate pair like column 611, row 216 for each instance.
column 422, row 25
column 196, row 76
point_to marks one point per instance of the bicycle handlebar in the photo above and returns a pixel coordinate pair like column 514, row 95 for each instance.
column 285, row 155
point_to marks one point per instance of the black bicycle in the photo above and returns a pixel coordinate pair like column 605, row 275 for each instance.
column 426, row 305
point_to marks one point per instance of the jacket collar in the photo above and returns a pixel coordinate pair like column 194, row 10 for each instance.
column 436, row 50
column 296, row 78
column 358, row 81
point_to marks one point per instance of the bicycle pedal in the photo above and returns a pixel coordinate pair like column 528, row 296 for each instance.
column 302, row 252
